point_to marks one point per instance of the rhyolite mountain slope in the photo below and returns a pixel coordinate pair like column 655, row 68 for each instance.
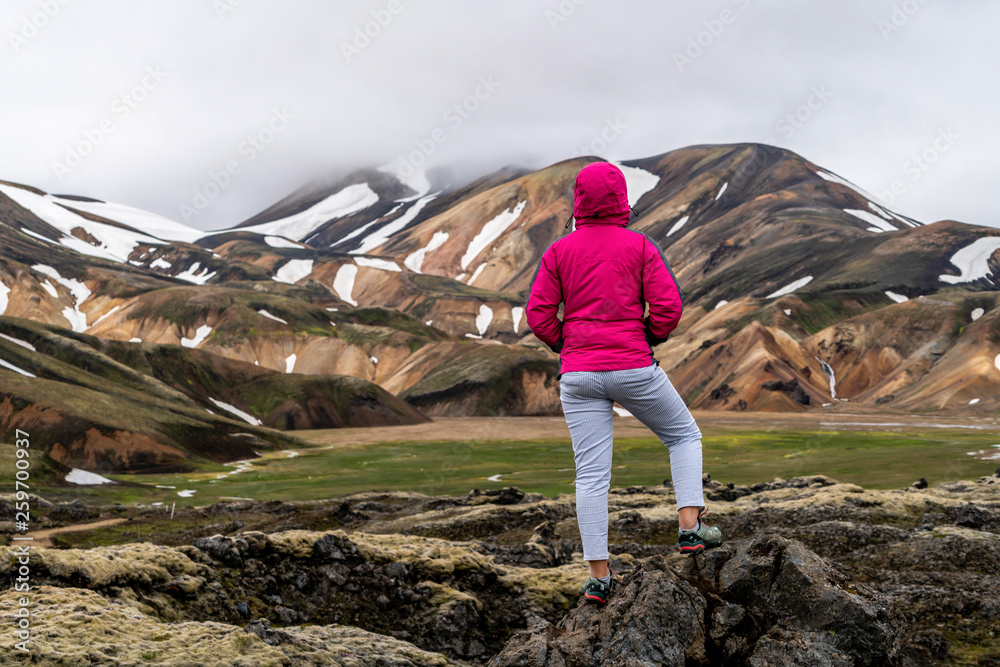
column 813, row 572
column 106, row 406
column 798, row 286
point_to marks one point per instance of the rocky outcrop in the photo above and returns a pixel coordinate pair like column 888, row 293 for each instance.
column 813, row 572
column 766, row 601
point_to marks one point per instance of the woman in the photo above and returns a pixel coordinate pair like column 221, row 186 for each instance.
column 604, row 274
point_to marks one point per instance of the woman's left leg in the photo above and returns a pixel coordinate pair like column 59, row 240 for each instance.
column 589, row 417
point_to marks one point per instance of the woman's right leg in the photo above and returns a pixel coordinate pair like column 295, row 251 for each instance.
column 648, row 394
column 589, row 417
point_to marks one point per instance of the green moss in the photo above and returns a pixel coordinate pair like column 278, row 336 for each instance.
column 963, row 316
column 440, row 287
column 487, row 371
column 826, row 308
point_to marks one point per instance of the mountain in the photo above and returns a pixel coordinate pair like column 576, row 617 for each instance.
column 801, row 291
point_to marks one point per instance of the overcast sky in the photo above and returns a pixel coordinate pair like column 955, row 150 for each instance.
column 140, row 102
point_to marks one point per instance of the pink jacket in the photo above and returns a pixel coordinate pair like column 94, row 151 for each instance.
column 604, row 273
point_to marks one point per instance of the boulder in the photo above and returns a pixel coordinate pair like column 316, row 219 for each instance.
column 765, row 601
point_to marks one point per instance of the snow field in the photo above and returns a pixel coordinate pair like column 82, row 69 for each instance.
column 382, row 234
column 490, row 232
column 678, row 225
column 788, row 289
column 638, row 182
column 293, row 271
column 343, row 282
column 415, row 260
column 898, row 298
column 516, row 313
column 77, row 319
column 248, row 418
column 344, row 202
column 199, row 335
column 78, row 476
column 972, row 260
column 376, row 263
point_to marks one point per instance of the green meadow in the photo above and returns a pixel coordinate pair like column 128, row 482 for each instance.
column 875, row 459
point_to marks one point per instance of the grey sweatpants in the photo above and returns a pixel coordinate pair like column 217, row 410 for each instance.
column 647, row 393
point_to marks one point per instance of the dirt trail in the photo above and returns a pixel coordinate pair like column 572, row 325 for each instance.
column 43, row 538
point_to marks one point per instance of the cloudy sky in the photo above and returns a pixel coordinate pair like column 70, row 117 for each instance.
column 143, row 102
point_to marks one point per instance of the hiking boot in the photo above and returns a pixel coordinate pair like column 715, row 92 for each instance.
column 597, row 591
column 699, row 538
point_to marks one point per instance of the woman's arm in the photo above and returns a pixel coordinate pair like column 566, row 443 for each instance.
column 545, row 295
column 661, row 292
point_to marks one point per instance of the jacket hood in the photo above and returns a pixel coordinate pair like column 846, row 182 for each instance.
column 600, row 195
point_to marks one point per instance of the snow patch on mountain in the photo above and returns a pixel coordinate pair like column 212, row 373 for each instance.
column 977, row 313
column 4, row 297
column 382, row 234
column 788, row 289
column 475, row 274
column 833, row 178
column 294, row 270
column 343, row 282
column 996, row 362
column 637, row 182
column 877, row 224
column 678, row 224
column 721, row 304
column 516, row 313
column 144, row 221
column 490, row 232
column 78, row 476
column 160, row 263
column 199, row 335
column 17, row 341
column 77, row 319
column 50, row 288
column 898, row 298
column 722, row 191
column 879, row 210
column 280, row 242
column 350, row 200
column 104, row 317
column 248, row 418
column 116, row 243
column 972, row 260
column 290, row 363
column 16, row 369
column 376, row 263
column 415, row 260
column 484, row 318
column 193, row 275
column 365, row 226
column 268, row 315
